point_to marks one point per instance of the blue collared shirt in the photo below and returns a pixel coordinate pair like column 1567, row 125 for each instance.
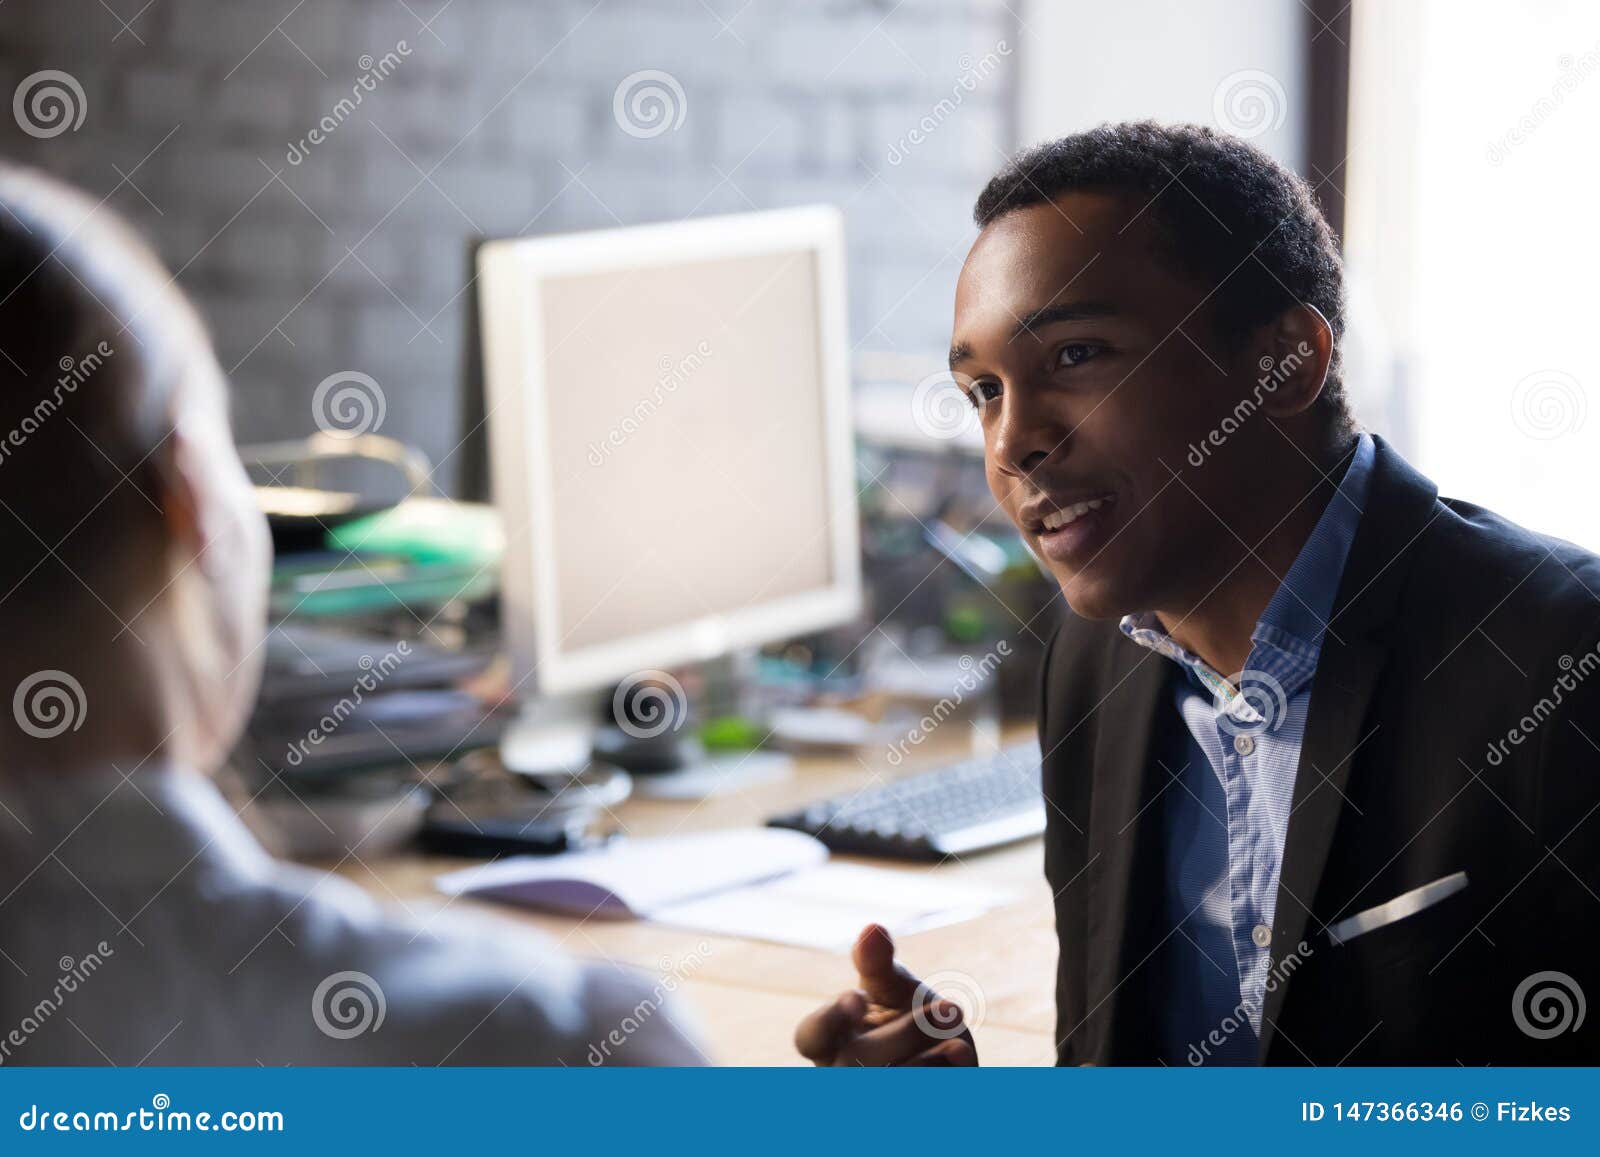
column 1227, row 804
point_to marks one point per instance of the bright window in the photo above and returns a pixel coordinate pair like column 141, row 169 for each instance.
column 1474, row 249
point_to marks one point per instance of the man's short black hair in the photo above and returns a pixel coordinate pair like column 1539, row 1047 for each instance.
column 1231, row 217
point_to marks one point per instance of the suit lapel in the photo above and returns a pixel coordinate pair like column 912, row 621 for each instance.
column 1124, row 856
column 1346, row 674
column 1400, row 503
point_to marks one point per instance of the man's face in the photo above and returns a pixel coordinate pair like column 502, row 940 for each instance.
column 1095, row 369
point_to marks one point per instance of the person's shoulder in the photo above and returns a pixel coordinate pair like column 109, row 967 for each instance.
column 1475, row 561
column 364, row 983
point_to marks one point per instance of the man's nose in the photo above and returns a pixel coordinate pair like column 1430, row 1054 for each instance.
column 1027, row 434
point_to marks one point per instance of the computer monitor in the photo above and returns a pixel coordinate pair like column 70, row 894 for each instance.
column 670, row 441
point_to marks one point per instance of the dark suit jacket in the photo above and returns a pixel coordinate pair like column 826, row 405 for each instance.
column 1453, row 630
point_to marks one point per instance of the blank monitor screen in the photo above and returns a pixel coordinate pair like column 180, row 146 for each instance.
column 688, row 442
column 672, row 444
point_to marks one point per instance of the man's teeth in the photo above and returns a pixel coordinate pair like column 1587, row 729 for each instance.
column 1071, row 514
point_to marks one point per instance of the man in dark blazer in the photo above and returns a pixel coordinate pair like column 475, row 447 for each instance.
column 1321, row 749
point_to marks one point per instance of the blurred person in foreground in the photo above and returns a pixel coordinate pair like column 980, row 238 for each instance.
column 140, row 922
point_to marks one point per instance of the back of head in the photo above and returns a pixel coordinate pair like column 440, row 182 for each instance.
column 117, row 472
column 92, row 342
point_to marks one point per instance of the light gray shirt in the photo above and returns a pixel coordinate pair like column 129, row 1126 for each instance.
column 141, row 922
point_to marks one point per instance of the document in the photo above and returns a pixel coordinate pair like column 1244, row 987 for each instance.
column 757, row 883
column 826, row 907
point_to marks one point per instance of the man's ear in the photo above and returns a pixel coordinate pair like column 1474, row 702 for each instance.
column 1293, row 356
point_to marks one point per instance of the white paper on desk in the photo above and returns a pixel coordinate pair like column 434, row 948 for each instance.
column 827, row 906
column 640, row 876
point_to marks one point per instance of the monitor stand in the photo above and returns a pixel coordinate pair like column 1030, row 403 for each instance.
column 638, row 728
column 648, row 729
column 562, row 734
column 647, row 754
column 553, row 735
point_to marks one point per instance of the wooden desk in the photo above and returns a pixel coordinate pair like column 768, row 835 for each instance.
column 749, row 995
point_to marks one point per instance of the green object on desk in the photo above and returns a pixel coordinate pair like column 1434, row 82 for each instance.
column 731, row 733
column 425, row 551
column 427, row 530
column 371, row 584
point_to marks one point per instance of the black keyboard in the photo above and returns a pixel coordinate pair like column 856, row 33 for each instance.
column 951, row 811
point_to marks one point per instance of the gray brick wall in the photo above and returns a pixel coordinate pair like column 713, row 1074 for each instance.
column 497, row 118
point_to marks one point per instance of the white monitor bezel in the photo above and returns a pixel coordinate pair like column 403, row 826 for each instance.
column 510, row 280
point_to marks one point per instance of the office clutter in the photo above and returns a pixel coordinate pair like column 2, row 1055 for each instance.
column 383, row 670
column 380, row 661
column 481, row 809
column 345, row 730
column 335, row 703
column 398, row 650
column 946, row 573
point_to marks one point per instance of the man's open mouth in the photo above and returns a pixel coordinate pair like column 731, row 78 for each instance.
column 1068, row 532
column 1070, row 514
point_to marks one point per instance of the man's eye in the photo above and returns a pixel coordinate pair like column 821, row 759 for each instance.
column 1076, row 353
column 982, row 392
